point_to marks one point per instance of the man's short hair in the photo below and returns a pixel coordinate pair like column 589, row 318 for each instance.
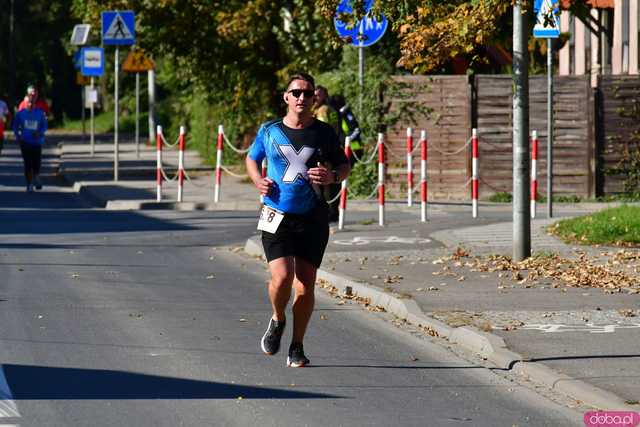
column 301, row 76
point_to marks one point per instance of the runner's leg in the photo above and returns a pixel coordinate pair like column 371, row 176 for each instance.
column 282, row 273
column 304, row 299
column 26, row 159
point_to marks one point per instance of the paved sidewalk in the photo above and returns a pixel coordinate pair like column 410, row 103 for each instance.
column 580, row 341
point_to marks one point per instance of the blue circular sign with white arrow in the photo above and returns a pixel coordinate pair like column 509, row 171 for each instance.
column 366, row 31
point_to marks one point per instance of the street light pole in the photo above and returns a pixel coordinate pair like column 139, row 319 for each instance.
column 521, row 214
column 550, row 128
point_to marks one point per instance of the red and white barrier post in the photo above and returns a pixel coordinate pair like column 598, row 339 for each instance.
column 423, row 176
column 159, row 163
column 216, row 195
column 381, row 179
column 181, row 163
column 409, row 167
column 534, row 172
column 343, row 187
column 474, row 173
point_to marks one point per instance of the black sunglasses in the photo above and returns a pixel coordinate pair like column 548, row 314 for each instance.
column 308, row 93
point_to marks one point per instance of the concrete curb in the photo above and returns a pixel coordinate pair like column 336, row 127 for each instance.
column 489, row 346
column 575, row 388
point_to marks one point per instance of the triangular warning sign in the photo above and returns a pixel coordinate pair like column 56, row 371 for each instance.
column 118, row 29
column 547, row 21
column 137, row 62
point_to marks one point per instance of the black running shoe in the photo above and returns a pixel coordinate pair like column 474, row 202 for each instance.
column 37, row 183
column 296, row 358
column 270, row 342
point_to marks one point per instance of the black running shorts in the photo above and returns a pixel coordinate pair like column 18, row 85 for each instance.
column 304, row 236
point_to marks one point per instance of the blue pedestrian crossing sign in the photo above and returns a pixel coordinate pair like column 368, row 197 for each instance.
column 118, row 27
column 365, row 32
column 91, row 61
column 547, row 19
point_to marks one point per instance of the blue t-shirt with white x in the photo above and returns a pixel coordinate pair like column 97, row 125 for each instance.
column 290, row 153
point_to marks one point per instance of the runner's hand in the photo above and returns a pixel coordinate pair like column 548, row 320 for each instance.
column 264, row 186
column 319, row 175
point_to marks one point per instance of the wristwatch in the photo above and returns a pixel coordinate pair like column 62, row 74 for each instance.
column 335, row 175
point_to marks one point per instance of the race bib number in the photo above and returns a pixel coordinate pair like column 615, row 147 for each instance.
column 270, row 219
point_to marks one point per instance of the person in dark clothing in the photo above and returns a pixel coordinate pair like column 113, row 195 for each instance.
column 29, row 127
column 348, row 127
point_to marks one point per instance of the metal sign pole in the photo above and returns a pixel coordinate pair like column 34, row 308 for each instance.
column 550, row 128
column 115, row 117
column 138, row 115
column 151, row 85
column 83, row 97
column 360, row 78
column 93, row 124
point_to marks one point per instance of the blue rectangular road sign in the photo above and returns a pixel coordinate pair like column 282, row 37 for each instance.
column 77, row 57
column 118, row 27
column 92, row 61
column 547, row 19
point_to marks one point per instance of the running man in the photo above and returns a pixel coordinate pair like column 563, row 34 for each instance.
column 29, row 126
column 293, row 220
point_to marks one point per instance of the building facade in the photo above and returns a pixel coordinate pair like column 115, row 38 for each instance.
column 606, row 42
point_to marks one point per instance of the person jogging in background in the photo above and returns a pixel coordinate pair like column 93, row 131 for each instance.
column 33, row 94
column 325, row 112
column 5, row 117
column 29, row 127
column 293, row 220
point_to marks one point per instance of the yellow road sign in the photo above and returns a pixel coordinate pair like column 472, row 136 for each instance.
column 137, row 62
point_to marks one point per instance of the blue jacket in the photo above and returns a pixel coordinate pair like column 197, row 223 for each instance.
column 29, row 126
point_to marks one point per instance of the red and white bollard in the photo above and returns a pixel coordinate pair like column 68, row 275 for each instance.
column 423, row 176
column 474, row 173
column 159, row 163
column 216, row 194
column 380, row 179
column 534, row 172
column 343, row 187
column 409, row 167
column 181, row 163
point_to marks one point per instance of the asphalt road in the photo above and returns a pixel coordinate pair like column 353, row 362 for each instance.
column 154, row 319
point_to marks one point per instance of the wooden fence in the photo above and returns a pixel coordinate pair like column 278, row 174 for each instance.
column 573, row 145
column 618, row 131
column 592, row 130
column 448, row 129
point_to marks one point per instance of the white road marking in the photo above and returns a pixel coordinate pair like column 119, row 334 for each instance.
column 8, row 408
column 588, row 327
column 364, row 240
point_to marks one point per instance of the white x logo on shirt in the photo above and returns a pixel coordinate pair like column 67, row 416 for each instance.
column 296, row 162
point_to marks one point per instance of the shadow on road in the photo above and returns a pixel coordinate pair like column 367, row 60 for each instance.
column 56, row 383
column 78, row 221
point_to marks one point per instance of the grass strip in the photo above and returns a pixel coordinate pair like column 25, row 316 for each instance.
column 619, row 226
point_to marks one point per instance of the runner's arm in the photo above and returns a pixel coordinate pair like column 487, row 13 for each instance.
column 262, row 184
